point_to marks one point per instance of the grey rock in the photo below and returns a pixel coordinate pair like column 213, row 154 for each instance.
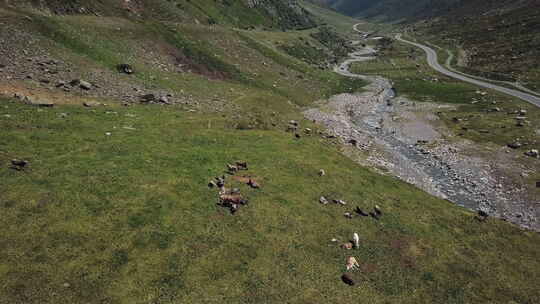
column 85, row 85
column 532, row 153
column 148, row 98
column 90, row 104
column 514, row 145
column 37, row 102
column 164, row 99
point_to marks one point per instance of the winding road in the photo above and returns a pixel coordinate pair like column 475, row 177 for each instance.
column 434, row 63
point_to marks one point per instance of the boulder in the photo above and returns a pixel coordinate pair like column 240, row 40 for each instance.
column 38, row 102
column 514, row 145
column 90, row 104
column 85, row 85
column 532, row 153
column 164, row 99
column 148, row 98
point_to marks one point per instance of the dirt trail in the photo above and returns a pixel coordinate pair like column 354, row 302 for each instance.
column 405, row 139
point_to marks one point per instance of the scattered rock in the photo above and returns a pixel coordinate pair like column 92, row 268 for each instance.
column 532, row 153
column 322, row 172
column 90, row 104
column 323, row 200
column 522, row 112
column 60, row 84
column 514, row 145
column 148, row 98
column 346, row 278
column 538, row 184
column 307, row 131
column 164, row 99
column 37, row 102
column 212, row 184
column 85, row 85
column 348, row 215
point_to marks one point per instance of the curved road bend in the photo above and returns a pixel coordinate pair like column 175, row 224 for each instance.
column 434, row 63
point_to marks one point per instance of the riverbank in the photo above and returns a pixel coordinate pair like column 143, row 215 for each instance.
column 407, row 139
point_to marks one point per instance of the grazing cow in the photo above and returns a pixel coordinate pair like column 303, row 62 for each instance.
column 340, row 202
column 253, row 184
column 241, row 165
column 346, row 278
column 232, row 199
column 377, row 210
column 352, row 263
column 232, row 168
column 360, row 211
column 220, row 181
column 347, row 245
column 356, row 240
column 125, row 68
column 18, row 164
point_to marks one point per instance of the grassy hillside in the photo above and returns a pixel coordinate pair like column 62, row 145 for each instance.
column 497, row 40
column 114, row 205
column 282, row 14
column 494, row 39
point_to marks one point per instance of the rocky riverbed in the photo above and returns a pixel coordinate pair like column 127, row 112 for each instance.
column 406, row 139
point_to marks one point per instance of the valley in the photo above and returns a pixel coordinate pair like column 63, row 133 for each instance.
column 176, row 151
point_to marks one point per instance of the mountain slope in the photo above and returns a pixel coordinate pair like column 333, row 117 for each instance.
column 125, row 116
column 285, row 14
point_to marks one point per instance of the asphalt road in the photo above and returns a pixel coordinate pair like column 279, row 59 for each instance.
column 434, row 63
